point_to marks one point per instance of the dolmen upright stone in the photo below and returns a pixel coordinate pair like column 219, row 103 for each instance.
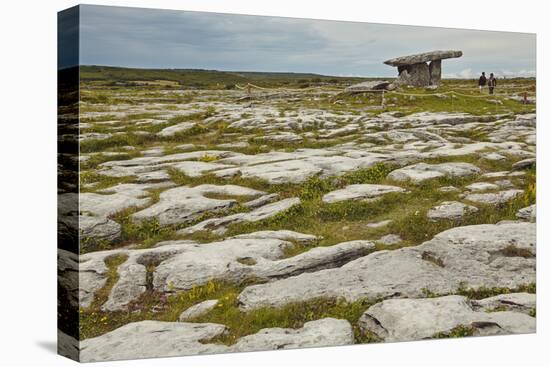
column 420, row 70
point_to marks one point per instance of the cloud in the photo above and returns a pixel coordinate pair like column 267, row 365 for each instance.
column 470, row 74
column 150, row 38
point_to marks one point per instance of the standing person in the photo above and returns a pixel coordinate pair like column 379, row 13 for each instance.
column 492, row 83
column 482, row 81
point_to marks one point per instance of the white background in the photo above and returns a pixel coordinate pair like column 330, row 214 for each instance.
column 28, row 181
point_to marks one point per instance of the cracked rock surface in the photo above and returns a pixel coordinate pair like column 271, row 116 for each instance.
column 413, row 319
column 474, row 255
column 148, row 339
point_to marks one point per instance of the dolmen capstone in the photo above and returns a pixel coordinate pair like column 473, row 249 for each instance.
column 420, row 70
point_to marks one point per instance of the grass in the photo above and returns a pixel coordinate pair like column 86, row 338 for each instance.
column 92, row 182
column 180, row 179
column 145, row 233
column 211, row 79
column 154, row 306
column 115, row 141
column 345, row 221
column 112, row 262
column 480, row 293
column 459, row 331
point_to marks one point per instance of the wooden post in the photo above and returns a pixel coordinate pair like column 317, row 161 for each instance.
column 383, row 99
column 452, row 102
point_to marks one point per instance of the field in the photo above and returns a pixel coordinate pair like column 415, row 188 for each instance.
column 240, row 201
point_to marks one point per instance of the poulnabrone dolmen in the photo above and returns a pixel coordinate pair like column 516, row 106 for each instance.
column 420, row 70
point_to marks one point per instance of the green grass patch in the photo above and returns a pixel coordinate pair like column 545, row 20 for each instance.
column 146, row 233
column 96, row 181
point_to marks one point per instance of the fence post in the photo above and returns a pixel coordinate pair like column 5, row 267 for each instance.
column 452, row 102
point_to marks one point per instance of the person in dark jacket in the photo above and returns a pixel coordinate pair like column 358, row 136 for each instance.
column 492, row 83
column 482, row 81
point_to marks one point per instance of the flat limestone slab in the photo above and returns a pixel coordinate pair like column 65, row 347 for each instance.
column 198, row 310
column 148, row 339
column 528, row 213
column 472, row 255
column 494, row 198
column 318, row 333
column 360, row 192
column 413, row 319
column 219, row 225
column 423, row 57
column 450, row 210
column 185, row 264
column 184, row 204
column 153, row 339
column 419, row 172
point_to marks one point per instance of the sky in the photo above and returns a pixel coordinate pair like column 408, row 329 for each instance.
column 150, row 38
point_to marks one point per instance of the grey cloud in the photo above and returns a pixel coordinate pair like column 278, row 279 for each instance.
column 176, row 39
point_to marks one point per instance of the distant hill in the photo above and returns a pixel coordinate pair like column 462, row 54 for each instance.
column 200, row 78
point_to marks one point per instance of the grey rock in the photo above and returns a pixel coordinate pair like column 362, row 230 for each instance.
column 422, row 57
column 153, row 152
column 380, row 224
column 414, row 70
column 67, row 346
column 218, row 225
column 525, row 164
column 482, row 186
column 68, row 278
column 528, row 213
column 343, row 131
column 174, row 129
column 435, row 73
column 519, row 302
column 99, row 228
column 448, row 189
column 198, row 310
column 504, row 183
column 261, row 201
column 319, row 333
column 141, row 165
column 503, row 174
column 413, row 319
column 414, row 75
column 116, row 198
column 473, row 255
column 83, row 276
column 360, row 192
column 390, row 239
column 494, row 198
column 284, row 235
column 368, row 86
column 452, row 210
column 197, row 168
column 148, row 339
column 494, row 157
column 315, row 259
column 154, row 176
column 132, row 274
column 184, row 204
column 422, row 171
column 274, row 173
column 283, row 137
column 234, row 260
